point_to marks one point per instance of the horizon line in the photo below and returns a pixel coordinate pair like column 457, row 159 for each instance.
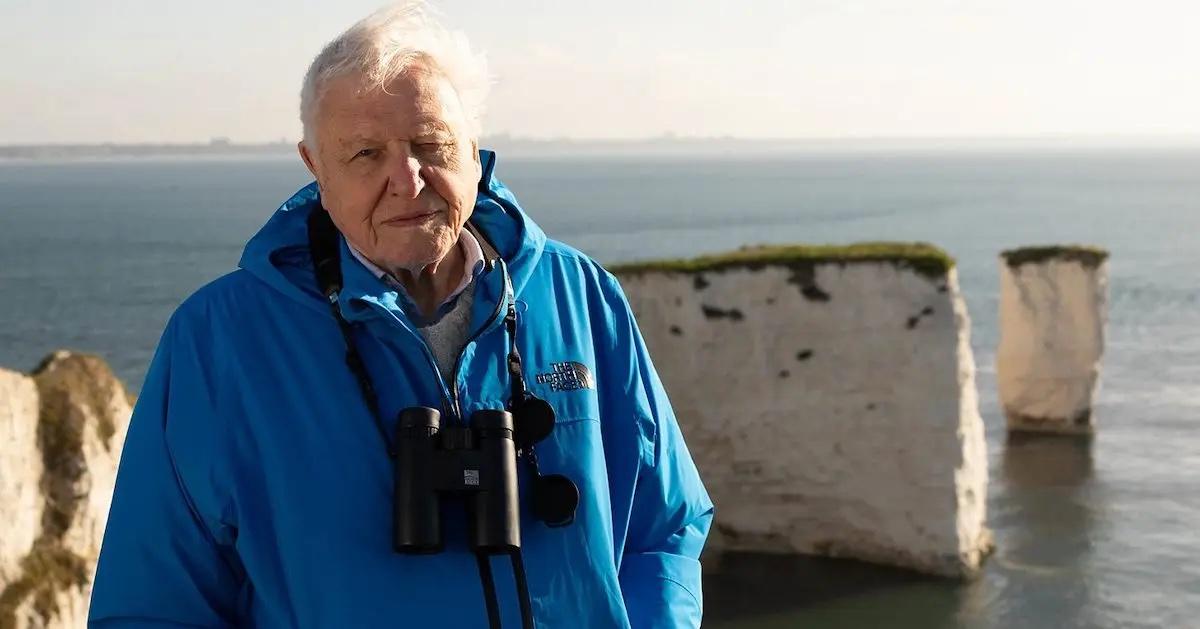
column 665, row 138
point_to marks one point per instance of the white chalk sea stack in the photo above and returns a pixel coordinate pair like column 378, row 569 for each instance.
column 61, row 431
column 828, row 396
column 1053, row 310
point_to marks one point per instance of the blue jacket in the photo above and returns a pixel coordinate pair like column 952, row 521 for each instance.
column 254, row 488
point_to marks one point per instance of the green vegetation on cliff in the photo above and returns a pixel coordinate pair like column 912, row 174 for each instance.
column 924, row 259
column 1089, row 256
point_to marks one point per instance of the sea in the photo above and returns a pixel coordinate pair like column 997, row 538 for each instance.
column 96, row 254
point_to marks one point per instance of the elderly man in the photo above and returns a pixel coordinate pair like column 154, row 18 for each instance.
column 307, row 447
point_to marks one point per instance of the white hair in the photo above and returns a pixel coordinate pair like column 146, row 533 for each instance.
column 383, row 46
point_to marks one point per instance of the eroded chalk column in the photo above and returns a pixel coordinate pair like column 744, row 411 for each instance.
column 1053, row 309
column 21, row 500
column 828, row 396
column 61, row 430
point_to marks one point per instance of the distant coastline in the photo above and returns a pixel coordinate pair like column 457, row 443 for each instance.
column 662, row 146
column 217, row 147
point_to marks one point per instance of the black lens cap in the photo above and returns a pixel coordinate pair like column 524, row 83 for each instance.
column 533, row 419
column 555, row 498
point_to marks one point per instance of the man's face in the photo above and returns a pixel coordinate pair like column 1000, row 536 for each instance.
column 397, row 168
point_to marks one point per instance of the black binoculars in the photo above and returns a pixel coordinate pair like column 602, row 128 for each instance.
column 477, row 462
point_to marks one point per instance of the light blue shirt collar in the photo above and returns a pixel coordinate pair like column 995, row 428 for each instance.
column 474, row 264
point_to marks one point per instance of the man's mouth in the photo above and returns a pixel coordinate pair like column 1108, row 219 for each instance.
column 401, row 221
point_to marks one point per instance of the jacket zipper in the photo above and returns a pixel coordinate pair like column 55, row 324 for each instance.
column 450, row 401
column 486, row 327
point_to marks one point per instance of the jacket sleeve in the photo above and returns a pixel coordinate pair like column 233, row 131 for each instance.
column 671, row 512
column 160, row 563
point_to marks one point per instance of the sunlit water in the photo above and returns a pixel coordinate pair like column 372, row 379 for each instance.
column 95, row 256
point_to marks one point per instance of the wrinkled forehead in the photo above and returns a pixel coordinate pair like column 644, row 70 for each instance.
column 418, row 102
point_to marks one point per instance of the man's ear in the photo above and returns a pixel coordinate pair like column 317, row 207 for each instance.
column 310, row 160
column 475, row 157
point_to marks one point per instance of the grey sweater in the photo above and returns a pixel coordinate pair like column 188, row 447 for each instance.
column 447, row 336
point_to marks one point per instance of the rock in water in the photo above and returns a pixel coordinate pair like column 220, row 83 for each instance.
column 828, row 396
column 1053, row 309
column 61, row 431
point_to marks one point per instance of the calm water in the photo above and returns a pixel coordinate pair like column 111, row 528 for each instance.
column 95, row 256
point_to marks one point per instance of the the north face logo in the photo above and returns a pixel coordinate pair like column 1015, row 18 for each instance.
column 567, row 376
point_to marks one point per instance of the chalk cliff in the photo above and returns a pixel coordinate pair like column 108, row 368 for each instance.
column 828, row 396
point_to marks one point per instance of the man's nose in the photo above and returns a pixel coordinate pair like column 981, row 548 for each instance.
column 404, row 178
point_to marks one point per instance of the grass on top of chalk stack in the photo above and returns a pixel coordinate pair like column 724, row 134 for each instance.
column 923, row 258
column 1087, row 255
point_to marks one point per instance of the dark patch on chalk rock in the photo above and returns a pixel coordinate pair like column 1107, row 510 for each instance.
column 770, row 301
column 804, row 276
column 814, row 293
column 804, row 355
column 676, row 330
column 1081, row 422
column 700, row 283
column 927, row 311
column 728, row 531
column 717, row 313
column 784, row 373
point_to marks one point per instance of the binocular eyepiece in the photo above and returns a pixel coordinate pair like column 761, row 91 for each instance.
column 477, row 462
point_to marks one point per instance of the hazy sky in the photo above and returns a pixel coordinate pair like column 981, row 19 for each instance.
column 163, row 70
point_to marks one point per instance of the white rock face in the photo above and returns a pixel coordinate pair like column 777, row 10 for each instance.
column 21, row 500
column 832, row 409
column 56, row 486
column 1052, row 318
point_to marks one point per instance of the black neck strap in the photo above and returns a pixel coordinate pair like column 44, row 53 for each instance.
column 516, row 378
column 327, row 263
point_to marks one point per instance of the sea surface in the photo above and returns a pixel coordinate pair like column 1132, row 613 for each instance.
column 95, row 255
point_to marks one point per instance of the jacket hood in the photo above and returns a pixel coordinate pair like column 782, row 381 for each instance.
column 278, row 254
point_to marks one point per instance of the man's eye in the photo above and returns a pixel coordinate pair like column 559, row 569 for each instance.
column 364, row 153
